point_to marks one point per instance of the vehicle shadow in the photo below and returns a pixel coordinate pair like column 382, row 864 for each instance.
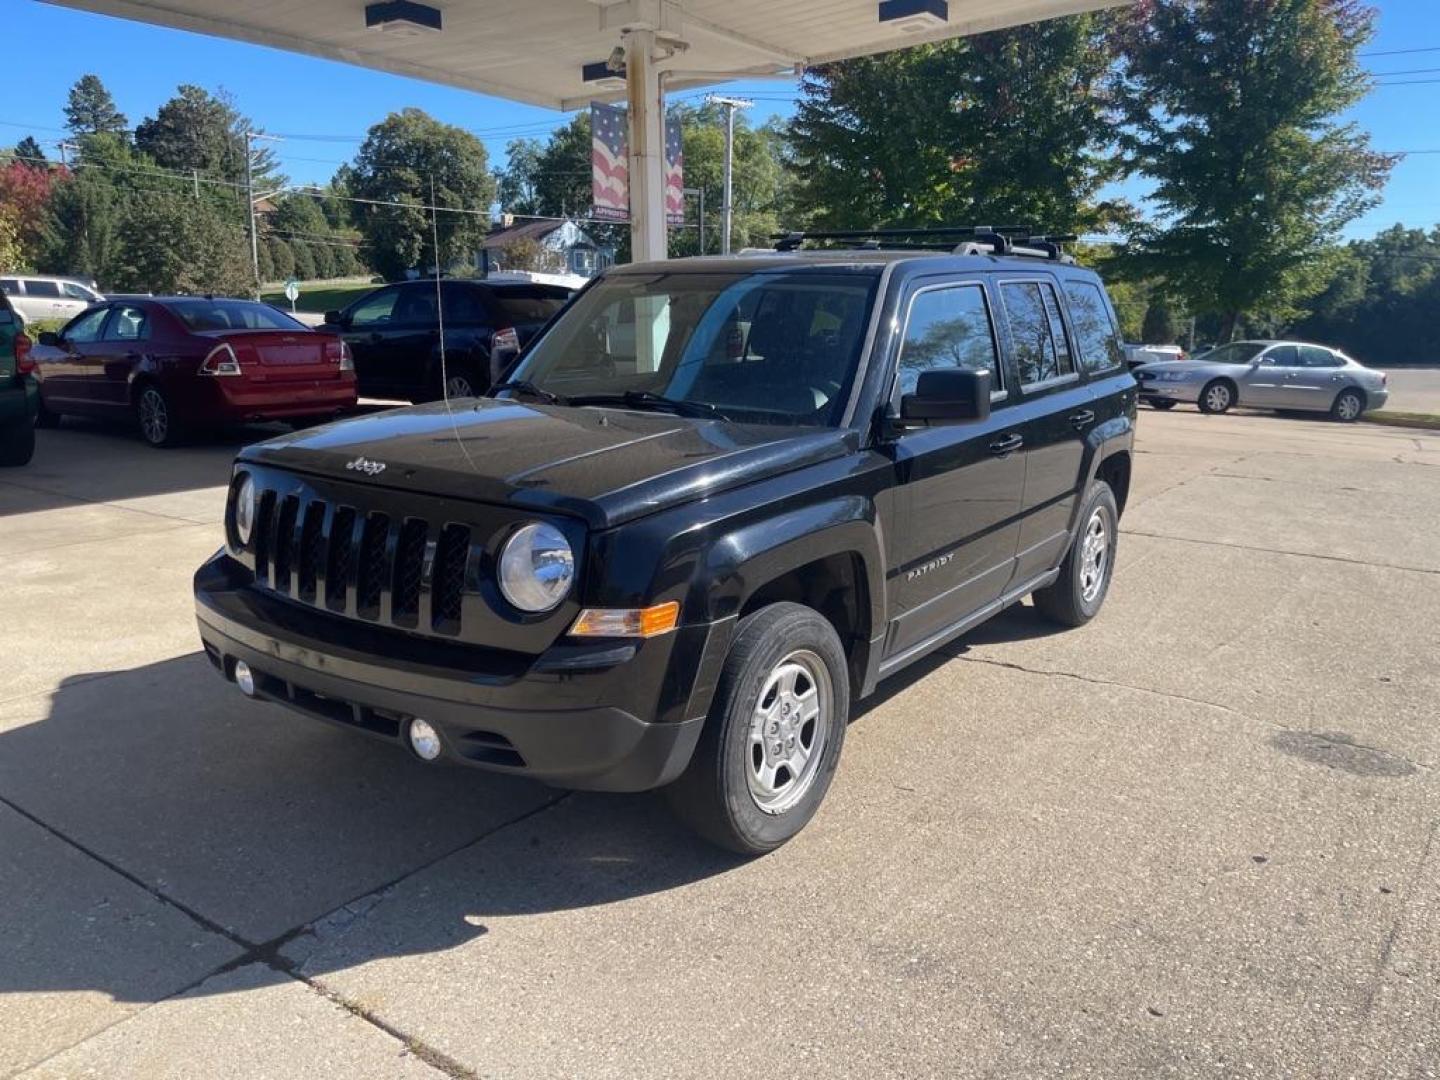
column 271, row 835
column 100, row 461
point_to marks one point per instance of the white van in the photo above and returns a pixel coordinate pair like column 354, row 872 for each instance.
column 39, row 296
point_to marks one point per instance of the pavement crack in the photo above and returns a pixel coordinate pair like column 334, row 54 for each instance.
column 1382, row 962
column 1292, row 554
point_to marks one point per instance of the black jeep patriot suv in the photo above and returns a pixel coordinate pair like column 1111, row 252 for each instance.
column 716, row 502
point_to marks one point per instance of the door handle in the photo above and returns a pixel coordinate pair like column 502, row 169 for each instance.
column 1007, row 445
column 1083, row 418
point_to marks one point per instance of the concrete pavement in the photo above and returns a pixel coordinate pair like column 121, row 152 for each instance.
column 1196, row 838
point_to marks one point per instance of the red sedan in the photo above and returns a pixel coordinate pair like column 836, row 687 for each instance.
column 180, row 363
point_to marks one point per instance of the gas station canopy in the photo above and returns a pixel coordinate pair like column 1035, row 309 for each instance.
column 566, row 53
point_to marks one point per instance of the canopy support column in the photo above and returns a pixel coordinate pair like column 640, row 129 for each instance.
column 647, row 147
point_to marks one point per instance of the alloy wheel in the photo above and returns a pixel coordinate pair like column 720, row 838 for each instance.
column 789, row 731
column 154, row 416
column 1348, row 407
column 1218, row 397
column 1094, row 555
column 458, row 386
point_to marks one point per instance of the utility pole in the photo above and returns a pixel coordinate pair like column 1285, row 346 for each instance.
column 727, row 209
column 250, row 201
column 699, row 193
column 65, row 147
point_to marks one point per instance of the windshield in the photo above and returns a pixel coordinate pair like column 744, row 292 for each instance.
column 778, row 348
column 1237, row 352
column 231, row 315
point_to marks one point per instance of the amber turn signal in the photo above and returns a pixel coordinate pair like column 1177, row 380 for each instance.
column 627, row 622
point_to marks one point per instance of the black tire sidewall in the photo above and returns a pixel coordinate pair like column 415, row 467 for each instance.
column 761, row 642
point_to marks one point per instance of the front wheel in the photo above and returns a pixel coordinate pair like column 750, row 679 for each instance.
column 1217, row 397
column 17, row 445
column 1076, row 595
column 1349, row 404
column 772, row 740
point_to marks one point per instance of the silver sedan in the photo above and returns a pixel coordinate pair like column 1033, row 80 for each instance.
column 1266, row 375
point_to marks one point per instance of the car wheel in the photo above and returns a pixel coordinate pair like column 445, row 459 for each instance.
column 1076, row 595
column 1162, row 404
column 155, row 417
column 1349, row 404
column 1217, row 397
column 772, row 740
column 17, row 446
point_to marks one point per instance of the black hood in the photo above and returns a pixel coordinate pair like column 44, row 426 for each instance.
column 605, row 465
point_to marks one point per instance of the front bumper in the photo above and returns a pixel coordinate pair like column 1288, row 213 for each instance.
column 576, row 717
column 1153, row 390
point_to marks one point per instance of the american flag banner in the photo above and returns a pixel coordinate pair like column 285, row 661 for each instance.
column 674, row 174
column 609, row 163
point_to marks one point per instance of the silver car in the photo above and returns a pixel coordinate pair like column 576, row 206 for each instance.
column 1266, row 375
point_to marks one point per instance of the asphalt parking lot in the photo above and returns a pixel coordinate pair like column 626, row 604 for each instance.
column 1196, row 838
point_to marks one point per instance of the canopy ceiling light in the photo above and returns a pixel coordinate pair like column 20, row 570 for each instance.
column 404, row 18
column 915, row 16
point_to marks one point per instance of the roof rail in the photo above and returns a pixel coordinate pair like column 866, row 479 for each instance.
column 1020, row 240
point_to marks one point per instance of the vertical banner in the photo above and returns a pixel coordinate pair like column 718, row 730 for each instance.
column 609, row 163
column 674, row 173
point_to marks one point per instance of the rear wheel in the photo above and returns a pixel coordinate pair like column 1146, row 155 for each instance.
column 1217, row 397
column 17, row 444
column 772, row 740
column 159, row 426
column 1075, row 597
column 1162, row 404
column 1349, row 404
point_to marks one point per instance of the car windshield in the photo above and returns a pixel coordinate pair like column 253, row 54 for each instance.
column 201, row 314
column 1237, row 352
column 774, row 347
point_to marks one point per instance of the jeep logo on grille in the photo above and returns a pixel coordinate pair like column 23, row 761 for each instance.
column 365, row 465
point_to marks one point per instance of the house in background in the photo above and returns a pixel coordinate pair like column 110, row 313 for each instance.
column 560, row 247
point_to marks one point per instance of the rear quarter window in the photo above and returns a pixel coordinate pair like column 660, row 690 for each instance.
column 1095, row 330
column 529, row 305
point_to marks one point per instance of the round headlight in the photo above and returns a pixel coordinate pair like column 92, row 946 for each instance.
column 245, row 511
column 536, row 567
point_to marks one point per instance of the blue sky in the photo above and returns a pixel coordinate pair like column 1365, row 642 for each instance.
column 324, row 108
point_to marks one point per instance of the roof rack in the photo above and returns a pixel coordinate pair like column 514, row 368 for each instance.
column 958, row 239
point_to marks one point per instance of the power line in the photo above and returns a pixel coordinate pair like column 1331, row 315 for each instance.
column 1400, row 52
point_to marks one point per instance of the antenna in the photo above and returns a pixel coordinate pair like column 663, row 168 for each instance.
column 439, row 302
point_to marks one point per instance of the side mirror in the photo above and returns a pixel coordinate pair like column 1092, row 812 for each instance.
column 950, row 395
column 49, row 337
column 333, row 318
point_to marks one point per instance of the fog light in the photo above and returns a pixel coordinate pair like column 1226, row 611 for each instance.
column 244, row 678
column 424, row 740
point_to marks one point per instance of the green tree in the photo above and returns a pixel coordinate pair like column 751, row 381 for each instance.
column 80, row 227
column 400, row 160
column 1232, row 112
column 174, row 243
column 198, row 130
column 28, row 150
column 1161, row 326
column 759, row 179
column 90, row 110
column 1010, row 127
column 304, row 260
column 282, row 258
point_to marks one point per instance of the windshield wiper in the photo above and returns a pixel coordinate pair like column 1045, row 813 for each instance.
column 525, row 386
column 648, row 399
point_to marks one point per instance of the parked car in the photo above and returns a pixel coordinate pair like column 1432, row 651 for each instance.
column 1135, row 355
column 1267, row 375
column 18, row 393
column 676, row 561
column 181, row 362
column 394, row 334
column 36, row 297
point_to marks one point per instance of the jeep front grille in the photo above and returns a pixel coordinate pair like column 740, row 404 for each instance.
column 408, row 572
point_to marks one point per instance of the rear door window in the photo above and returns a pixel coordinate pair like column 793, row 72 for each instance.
column 1095, row 330
column 529, row 305
column 949, row 328
column 1316, row 357
column 1033, row 319
column 41, row 288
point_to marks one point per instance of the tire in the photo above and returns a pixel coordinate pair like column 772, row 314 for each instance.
column 1349, row 406
column 790, row 657
column 155, row 417
column 17, row 445
column 459, row 381
column 1077, row 594
column 1217, row 397
column 44, row 418
column 1163, row 404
